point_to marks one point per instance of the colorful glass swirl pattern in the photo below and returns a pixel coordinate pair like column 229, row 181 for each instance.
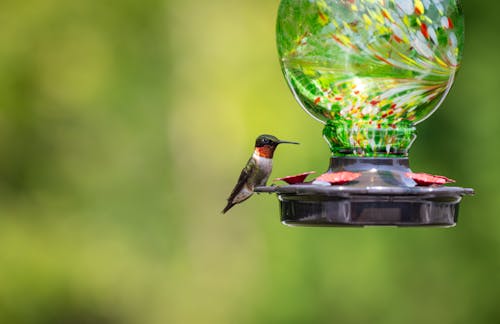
column 370, row 69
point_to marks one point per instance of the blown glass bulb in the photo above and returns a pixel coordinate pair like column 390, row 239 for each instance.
column 370, row 69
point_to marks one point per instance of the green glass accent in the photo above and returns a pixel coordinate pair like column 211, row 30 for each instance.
column 345, row 139
column 370, row 68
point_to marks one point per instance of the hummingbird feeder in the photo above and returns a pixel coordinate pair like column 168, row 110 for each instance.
column 370, row 71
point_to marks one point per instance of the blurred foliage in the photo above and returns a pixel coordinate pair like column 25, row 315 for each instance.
column 123, row 126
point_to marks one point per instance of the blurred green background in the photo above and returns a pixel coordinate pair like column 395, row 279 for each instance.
column 123, row 128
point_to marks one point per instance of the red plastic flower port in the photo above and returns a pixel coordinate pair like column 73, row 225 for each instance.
column 339, row 178
column 424, row 179
column 295, row 179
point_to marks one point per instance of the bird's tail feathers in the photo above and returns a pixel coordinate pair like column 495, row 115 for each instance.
column 228, row 207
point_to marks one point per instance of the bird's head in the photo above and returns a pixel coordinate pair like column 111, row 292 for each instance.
column 266, row 144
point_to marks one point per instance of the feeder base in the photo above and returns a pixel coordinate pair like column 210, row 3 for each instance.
column 342, row 206
column 382, row 196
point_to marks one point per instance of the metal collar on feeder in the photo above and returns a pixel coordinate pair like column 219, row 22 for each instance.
column 370, row 71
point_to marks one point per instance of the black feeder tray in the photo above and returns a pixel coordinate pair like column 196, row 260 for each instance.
column 382, row 196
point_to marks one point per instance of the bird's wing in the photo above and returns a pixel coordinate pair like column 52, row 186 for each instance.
column 245, row 174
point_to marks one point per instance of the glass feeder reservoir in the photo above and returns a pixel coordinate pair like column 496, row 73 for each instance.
column 370, row 71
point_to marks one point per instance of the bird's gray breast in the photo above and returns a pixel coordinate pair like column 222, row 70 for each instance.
column 262, row 171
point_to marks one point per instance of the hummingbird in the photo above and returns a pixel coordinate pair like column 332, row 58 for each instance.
column 257, row 170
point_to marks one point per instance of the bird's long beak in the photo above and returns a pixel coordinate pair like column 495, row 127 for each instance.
column 287, row 142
